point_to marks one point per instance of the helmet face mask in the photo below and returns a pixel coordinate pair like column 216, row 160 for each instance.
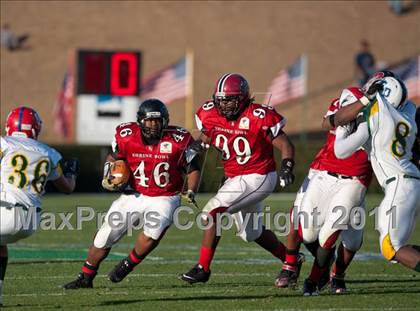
column 231, row 95
column 152, row 128
column 153, row 118
column 23, row 122
column 228, row 106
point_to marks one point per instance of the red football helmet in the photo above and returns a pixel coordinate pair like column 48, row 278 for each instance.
column 231, row 95
column 24, row 122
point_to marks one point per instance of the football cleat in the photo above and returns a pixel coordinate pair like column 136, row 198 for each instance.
column 196, row 275
column 310, row 288
column 120, row 271
column 338, row 285
column 289, row 277
column 82, row 281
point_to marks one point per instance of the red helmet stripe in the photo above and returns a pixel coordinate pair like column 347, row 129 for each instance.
column 20, row 118
column 222, row 82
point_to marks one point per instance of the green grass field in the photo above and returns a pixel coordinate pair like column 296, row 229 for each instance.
column 242, row 279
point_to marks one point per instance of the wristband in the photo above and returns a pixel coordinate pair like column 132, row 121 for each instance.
column 364, row 101
column 288, row 164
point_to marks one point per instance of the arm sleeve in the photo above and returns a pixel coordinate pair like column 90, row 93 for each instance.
column 345, row 145
column 334, row 106
column 275, row 124
column 3, row 147
column 56, row 170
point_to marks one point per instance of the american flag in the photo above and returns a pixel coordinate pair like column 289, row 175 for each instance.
column 167, row 84
column 63, row 110
column 408, row 71
column 289, row 84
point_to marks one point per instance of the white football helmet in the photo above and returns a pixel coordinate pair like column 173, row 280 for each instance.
column 394, row 91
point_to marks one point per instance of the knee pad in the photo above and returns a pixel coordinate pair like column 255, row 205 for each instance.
column 251, row 235
column 105, row 237
column 352, row 243
column 211, row 205
column 387, row 249
column 309, row 235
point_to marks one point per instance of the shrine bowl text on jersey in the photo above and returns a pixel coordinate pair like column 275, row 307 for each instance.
column 245, row 142
column 157, row 170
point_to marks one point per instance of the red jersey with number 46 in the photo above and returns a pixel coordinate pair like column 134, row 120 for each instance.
column 245, row 143
column 157, row 170
column 357, row 164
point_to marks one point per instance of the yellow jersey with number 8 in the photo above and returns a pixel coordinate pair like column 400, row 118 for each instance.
column 392, row 135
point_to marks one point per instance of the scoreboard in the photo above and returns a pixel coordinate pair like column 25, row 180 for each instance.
column 108, row 90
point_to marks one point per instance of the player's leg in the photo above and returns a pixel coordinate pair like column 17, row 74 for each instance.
column 12, row 229
column 235, row 194
column 351, row 242
column 110, row 233
column 347, row 193
column 289, row 274
column 161, row 210
column 291, row 267
column 3, row 265
column 403, row 211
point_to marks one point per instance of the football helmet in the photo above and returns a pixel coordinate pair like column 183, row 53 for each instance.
column 394, row 91
column 153, row 109
column 231, row 95
column 377, row 76
column 23, row 122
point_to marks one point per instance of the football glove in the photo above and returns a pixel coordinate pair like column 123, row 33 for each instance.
column 285, row 175
column 71, row 168
column 190, row 197
column 199, row 146
column 373, row 89
column 107, row 179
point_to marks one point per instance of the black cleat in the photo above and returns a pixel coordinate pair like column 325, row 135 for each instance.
column 82, row 281
column 338, row 285
column 120, row 271
column 196, row 275
column 288, row 278
column 310, row 288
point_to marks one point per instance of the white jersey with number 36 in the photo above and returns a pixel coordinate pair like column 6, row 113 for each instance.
column 392, row 136
column 26, row 166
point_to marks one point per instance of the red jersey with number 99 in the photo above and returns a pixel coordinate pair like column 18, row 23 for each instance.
column 245, row 143
column 157, row 170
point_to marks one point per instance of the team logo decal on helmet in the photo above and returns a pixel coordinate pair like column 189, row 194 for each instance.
column 394, row 91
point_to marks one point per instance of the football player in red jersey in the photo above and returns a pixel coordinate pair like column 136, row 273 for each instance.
column 330, row 182
column 245, row 133
column 158, row 157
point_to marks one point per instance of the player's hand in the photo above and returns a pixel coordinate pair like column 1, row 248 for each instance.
column 71, row 168
column 199, row 146
column 374, row 88
column 190, row 198
column 108, row 185
column 286, row 175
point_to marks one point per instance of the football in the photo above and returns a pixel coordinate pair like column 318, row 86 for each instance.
column 120, row 172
